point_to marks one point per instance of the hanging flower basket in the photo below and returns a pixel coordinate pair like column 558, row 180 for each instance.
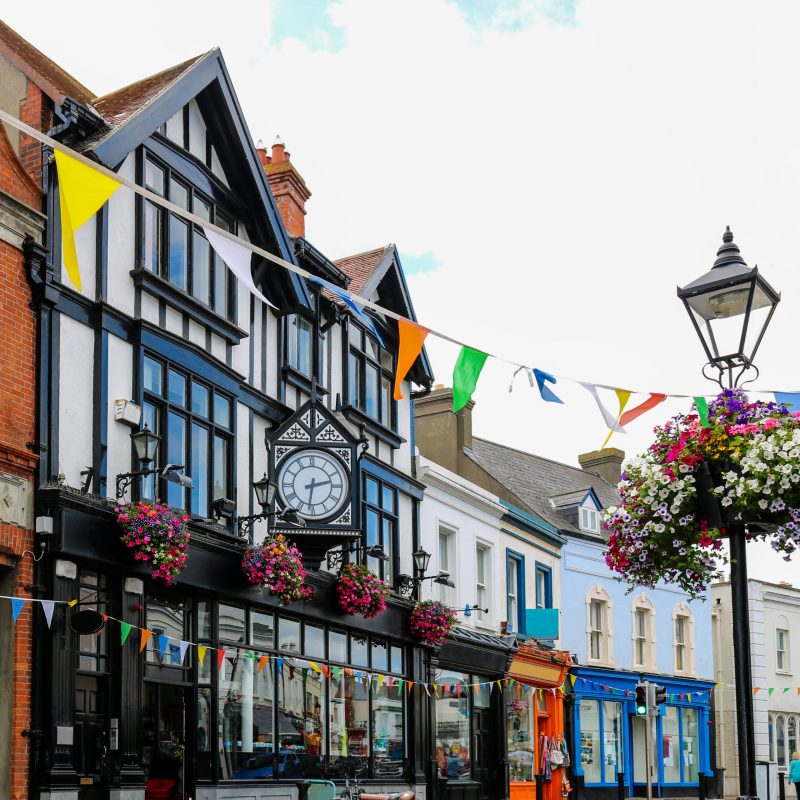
column 361, row 591
column 158, row 536
column 742, row 466
column 277, row 566
column 432, row 622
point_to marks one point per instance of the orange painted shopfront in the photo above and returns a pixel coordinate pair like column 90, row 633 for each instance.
column 532, row 714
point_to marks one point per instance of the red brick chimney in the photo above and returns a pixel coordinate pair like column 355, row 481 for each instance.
column 288, row 187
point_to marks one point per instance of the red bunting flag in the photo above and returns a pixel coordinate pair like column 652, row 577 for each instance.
column 651, row 402
column 412, row 337
column 220, row 658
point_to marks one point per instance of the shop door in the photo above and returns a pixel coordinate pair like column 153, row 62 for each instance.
column 167, row 765
column 485, row 755
column 90, row 737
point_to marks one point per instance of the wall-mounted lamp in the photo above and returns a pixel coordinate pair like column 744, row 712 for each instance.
column 406, row 584
column 336, row 557
column 145, row 443
column 265, row 495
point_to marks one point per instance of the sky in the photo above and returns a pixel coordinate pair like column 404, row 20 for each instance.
column 550, row 171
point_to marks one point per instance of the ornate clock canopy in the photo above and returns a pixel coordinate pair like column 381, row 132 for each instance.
column 313, row 459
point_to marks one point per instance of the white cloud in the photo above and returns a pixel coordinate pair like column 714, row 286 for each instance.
column 566, row 179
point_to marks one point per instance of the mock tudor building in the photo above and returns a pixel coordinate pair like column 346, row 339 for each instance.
column 163, row 337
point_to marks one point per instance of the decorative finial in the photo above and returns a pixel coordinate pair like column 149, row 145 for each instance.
column 727, row 237
column 278, row 140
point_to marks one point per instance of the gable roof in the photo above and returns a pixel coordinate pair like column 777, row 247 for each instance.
column 360, row 267
column 381, row 269
column 535, row 480
column 119, row 106
column 54, row 81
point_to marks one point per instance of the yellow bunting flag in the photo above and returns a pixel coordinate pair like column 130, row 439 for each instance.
column 573, row 678
column 201, row 653
column 623, row 395
column 72, row 603
column 412, row 337
column 145, row 639
column 82, row 192
column 314, row 666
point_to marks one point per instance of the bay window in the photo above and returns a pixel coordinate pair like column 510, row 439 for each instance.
column 178, row 251
column 380, row 523
column 195, row 422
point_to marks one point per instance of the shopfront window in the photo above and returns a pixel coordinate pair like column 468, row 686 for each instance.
column 452, row 725
column 284, row 711
column 691, row 745
column 590, row 754
column 671, row 745
column 521, row 735
column 612, row 741
column 166, row 620
column 93, row 647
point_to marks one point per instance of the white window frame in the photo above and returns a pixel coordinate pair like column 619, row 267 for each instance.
column 486, row 601
column 643, row 607
column 445, row 593
column 606, row 639
column 684, row 612
column 785, row 654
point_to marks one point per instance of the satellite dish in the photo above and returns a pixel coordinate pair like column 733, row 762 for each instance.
column 86, row 622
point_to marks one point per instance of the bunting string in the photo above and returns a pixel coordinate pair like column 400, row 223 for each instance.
column 86, row 185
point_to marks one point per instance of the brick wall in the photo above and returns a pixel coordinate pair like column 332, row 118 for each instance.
column 20, row 182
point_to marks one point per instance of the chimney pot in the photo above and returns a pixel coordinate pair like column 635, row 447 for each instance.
column 287, row 186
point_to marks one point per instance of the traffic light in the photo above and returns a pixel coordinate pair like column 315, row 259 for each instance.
column 641, row 699
column 661, row 695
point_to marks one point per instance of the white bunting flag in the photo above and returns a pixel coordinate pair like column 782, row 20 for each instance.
column 47, row 607
column 184, row 647
column 609, row 418
column 237, row 258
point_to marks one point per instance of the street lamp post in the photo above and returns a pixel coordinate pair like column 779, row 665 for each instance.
column 730, row 307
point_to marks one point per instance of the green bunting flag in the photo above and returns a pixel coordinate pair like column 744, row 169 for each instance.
column 124, row 631
column 702, row 409
column 465, row 375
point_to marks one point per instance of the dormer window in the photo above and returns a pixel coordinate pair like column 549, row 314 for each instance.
column 590, row 520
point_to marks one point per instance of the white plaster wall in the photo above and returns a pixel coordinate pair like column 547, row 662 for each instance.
column 334, row 348
column 218, row 347
column 256, row 377
column 216, row 168
column 174, row 321
column 86, row 248
column 243, row 480
column 120, row 387
column 175, row 128
column 474, row 515
column 197, row 334
column 197, row 132
column 149, row 308
column 75, row 413
column 122, row 241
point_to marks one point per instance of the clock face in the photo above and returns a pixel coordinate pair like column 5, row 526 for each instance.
column 314, row 483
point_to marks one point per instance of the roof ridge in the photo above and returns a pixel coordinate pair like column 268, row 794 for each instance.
column 6, row 32
column 382, row 249
column 183, row 65
column 535, row 455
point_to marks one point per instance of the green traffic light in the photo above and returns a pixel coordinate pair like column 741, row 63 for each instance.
column 641, row 710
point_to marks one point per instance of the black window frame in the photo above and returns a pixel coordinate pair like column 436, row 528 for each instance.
column 360, row 353
column 217, row 214
column 164, row 406
column 378, row 566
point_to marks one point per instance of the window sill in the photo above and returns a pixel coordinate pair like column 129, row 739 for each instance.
column 185, row 303
column 358, row 417
column 300, row 381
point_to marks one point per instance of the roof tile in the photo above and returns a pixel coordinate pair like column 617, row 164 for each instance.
column 360, row 267
column 534, row 480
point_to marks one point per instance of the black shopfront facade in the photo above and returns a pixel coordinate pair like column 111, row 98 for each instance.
column 111, row 718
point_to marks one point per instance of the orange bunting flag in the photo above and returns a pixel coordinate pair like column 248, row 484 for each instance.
column 412, row 337
column 756, row 689
column 410, row 686
column 145, row 639
column 651, row 402
column 262, row 662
